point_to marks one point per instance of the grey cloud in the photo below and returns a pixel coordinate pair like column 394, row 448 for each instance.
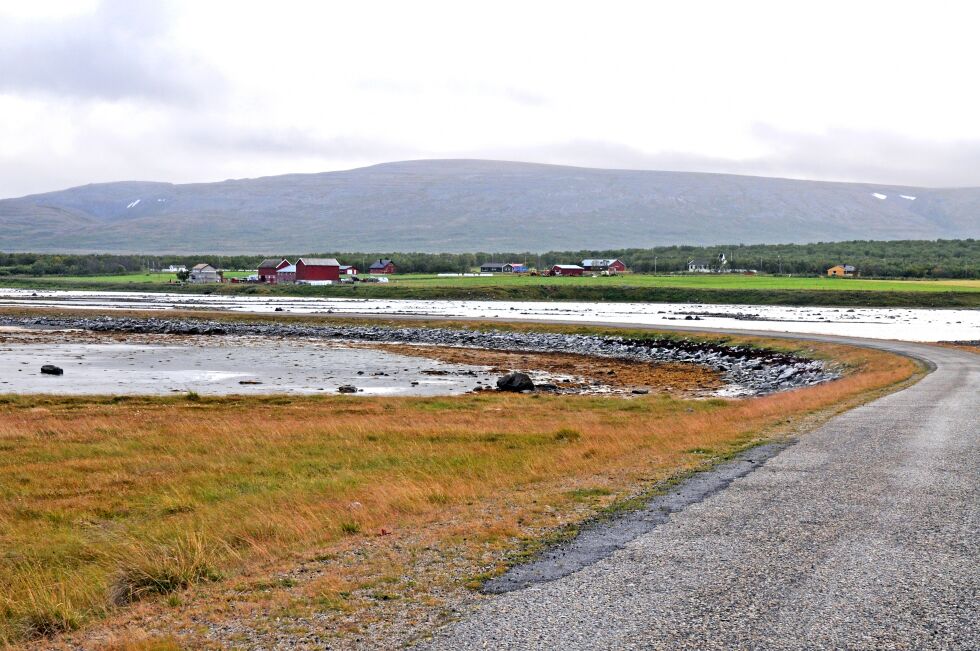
column 213, row 135
column 875, row 157
column 119, row 51
column 513, row 94
column 838, row 155
column 193, row 148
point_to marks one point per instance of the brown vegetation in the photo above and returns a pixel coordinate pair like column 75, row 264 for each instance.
column 690, row 379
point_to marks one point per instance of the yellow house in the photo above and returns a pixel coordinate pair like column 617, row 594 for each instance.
column 841, row 270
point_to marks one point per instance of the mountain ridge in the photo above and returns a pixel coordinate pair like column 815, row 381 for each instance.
column 458, row 205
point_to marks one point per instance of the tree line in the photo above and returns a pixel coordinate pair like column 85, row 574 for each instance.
column 891, row 259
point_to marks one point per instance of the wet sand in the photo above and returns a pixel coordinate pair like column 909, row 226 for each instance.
column 99, row 364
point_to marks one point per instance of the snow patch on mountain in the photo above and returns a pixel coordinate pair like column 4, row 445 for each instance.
column 878, row 195
column 133, row 204
column 907, row 196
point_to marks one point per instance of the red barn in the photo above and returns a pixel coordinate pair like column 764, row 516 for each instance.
column 317, row 269
column 567, row 270
column 382, row 266
column 604, row 265
column 269, row 268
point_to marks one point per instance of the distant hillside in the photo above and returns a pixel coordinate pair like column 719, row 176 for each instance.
column 470, row 205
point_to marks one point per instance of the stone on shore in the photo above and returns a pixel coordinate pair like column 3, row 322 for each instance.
column 515, row 382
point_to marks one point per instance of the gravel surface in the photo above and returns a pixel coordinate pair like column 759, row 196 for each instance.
column 865, row 534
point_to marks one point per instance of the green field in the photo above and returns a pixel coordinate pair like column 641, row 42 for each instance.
column 701, row 281
column 644, row 288
column 138, row 278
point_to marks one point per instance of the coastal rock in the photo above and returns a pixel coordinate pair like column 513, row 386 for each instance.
column 51, row 369
column 515, row 382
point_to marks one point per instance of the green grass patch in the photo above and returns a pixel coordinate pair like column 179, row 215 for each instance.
column 682, row 288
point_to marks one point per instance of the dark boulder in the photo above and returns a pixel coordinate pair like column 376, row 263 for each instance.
column 51, row 369
column 515, row 382
column 347, row 388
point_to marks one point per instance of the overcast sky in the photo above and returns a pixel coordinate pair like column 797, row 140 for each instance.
column 203, row 90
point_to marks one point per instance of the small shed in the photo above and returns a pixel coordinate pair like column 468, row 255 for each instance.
column 567, row 270
column 348, row 270
column 492, row 267
column 842, row 271
column 317, row 269
column 382, row 266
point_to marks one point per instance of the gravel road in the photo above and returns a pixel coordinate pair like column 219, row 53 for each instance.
column 865, row 534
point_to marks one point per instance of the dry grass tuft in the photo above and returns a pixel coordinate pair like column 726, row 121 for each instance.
column 38, row 608
column 153, row 568
column 567, row 434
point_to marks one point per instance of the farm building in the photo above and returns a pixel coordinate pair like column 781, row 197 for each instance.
column 286, row 274
column 567, row 270
column 503, row 267
column 205, row 273
column 382, row 266
column 317, row 269
column 842, row 270
column 269, row 268
column 604, row 264
column 348, row 270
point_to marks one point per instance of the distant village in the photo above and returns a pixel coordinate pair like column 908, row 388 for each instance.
column 327, row 271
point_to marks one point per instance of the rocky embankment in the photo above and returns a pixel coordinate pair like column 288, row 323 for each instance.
column 747, row 371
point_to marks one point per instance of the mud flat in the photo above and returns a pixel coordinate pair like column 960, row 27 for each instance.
column 165, row 364
column 743, row 370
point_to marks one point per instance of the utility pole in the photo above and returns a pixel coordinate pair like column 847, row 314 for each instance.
column 655, row 265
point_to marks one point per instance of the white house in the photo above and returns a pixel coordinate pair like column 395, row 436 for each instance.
column 700, row 265
column 205, row 273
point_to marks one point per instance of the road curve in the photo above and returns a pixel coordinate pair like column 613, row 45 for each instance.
column 865, row 534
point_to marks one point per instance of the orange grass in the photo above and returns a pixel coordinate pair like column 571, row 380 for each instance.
column 108, row 501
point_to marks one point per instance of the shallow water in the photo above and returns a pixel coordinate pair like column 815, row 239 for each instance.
column 878, row 323
column 216, row 366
